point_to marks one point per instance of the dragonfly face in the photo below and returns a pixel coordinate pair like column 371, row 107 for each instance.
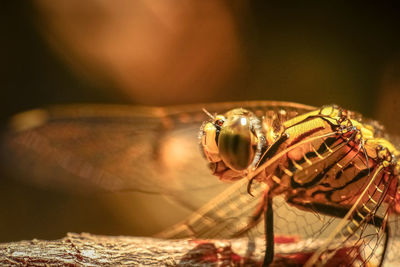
column 233, row 140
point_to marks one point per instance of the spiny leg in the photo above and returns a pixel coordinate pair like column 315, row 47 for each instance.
column 265, row 207
column 269, row 232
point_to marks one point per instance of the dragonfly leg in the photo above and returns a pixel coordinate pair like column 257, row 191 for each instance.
column 265, row 207
column 269, row 232
column 254, row 219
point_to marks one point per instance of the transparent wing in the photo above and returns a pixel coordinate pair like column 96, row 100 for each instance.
column 363, row 229
column 120, row 148
column 223, row 216
column 230, row 211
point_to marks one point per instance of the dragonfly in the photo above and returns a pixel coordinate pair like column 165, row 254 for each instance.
column 325, row 175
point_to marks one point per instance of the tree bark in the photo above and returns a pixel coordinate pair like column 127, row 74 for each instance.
column 95, row 250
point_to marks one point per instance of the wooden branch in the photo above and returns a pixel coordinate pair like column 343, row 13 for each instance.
column 95, row 250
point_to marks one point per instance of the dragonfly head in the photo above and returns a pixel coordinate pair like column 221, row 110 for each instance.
column 234, row 138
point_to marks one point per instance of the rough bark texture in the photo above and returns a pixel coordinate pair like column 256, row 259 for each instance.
column 94, row 250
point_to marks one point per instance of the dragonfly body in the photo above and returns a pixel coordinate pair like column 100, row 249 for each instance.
column 321, row 161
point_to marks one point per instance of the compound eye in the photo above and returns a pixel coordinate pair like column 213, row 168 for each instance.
column 237, row 142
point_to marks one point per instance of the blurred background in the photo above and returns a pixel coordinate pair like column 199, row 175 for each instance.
column 179, row 52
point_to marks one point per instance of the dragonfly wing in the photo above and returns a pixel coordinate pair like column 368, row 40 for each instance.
column 223, row 216
column 363, row 229
column 119, row 148
column 229, row 213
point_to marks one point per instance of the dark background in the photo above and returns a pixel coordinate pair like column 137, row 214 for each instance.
column 314, row 54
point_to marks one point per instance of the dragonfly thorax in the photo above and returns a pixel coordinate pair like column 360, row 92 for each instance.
column 233, row 138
